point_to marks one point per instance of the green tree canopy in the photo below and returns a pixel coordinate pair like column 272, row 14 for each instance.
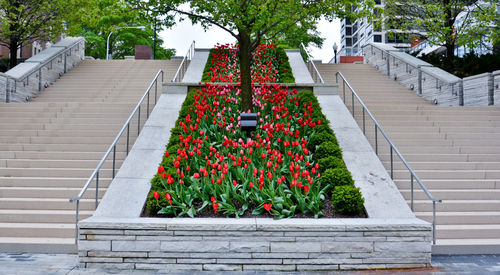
column 447, row 22
column 24, row 21
column 96, row 19
column 252, row 22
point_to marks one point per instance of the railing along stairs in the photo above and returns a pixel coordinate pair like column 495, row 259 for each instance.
column 113, row 147
column 393, row 149
column 179, row 75
column 312, row 67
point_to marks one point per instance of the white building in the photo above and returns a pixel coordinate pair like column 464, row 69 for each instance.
column 358, row 33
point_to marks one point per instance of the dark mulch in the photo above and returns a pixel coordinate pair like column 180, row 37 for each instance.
column 208, row 212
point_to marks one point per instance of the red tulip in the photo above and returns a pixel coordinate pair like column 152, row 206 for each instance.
column 156, row 195
column 267, row 206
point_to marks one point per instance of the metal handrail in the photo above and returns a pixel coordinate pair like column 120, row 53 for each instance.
column 310, row 61
column 62, row 55
column 393, row 148
column 183, row 66
column 112, row 147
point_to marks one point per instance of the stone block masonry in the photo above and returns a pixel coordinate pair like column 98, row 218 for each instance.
column 254, row 244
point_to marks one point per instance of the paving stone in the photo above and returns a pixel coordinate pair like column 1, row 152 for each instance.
column 296, row 247
column 270, row 267
column 249, row 246
column 347, row 247
column 94, row 245
column 222, row 267
column 136, row 246
column 187, row 246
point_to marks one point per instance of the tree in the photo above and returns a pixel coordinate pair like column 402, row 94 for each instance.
column 252, row 22
column 447, row 22
column 23, row 21
column 96, row 19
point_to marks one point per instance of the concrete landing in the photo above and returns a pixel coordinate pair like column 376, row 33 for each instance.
column 299, row 68
column 195, row 70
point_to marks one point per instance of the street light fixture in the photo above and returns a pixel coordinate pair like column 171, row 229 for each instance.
column 108, row 57
column 335, row 48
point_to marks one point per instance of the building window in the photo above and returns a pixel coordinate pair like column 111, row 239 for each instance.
column 377, row 2
column 348, row 42
column 348, row 31
column 377, row 38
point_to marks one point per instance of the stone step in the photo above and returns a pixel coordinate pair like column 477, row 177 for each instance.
column 445, row 165
column 58, row 155
column 41, row 216
column 54, row 172
column 467, row 231
column 45, row 163
column 43, row 230
column 48, row 192
column 459, row 218
column 46, row 203
column 455, row 194
column 459, row 184
column 47, row 182
column 457, row 205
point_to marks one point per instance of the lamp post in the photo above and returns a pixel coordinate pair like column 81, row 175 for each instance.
column 335, row 47
column 108, row 57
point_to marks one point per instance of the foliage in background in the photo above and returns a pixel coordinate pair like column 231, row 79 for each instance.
column 24, row 21
column 254, row 22
column 470, row 64
column 95, row 19
column 447, row 22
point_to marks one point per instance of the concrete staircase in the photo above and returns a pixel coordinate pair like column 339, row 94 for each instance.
column 454, row 150
column 49, row 148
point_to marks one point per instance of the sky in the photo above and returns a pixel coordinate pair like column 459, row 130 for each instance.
column 183, row 33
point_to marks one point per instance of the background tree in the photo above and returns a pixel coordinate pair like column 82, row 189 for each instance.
column 252, row 22
column 447, row 22
column 96, row 19
column 24, row 21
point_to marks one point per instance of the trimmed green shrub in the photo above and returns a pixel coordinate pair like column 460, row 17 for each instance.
column 284, row 69
column 320, row 138
column 326, row 149
column 330, row 162
column 347, row 200
column 155, row 205
column 337, row 177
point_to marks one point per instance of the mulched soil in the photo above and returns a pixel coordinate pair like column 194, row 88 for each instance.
column 208, row 212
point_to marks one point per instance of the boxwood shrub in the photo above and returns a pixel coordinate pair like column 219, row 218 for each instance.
column 347, row 200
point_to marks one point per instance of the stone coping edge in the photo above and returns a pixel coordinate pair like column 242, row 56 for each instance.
column 256, row 224
column 317, row 88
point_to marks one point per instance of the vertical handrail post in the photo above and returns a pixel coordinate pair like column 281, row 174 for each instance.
column 96, row 189
column 364, row 127
column 461, row 93
column 343, row 89
column 114, row 160
column 411, row 192
column 147, row 107
column 40, row 79
column 392, row 165
column 139, row 122
column 156, row 91
column 76, row 220
column 433, row 222
column 376, row 141
column 128, row 136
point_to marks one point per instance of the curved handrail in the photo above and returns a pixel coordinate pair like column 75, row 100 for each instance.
column 309, row 58
column 112, row 147
column 189, row 55
column 395, row 149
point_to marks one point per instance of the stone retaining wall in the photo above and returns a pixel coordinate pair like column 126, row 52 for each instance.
column 254, row 244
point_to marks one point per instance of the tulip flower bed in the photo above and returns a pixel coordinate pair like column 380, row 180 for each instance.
column 288, row 167
column 269, row 64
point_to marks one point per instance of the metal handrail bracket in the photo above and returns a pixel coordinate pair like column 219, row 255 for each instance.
column 310, row 61
column 189, row 55
column 393, row 148
column 112, row 148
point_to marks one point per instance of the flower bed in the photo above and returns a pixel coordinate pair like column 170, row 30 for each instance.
column 269, row 64
column 210, row 165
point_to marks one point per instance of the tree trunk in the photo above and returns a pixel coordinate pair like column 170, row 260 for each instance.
column 450, row 35
column 245, row 55
column 13, row 52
